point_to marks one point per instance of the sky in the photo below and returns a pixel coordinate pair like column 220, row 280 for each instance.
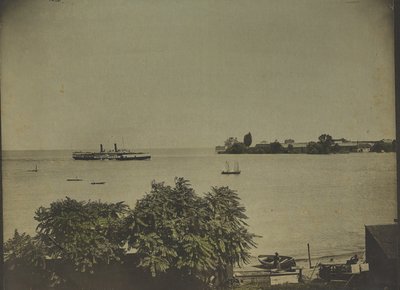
column 163, row 74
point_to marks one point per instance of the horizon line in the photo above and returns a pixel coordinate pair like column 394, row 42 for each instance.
column 200, row 147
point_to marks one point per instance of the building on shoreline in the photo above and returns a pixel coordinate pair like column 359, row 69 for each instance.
column 220, row 149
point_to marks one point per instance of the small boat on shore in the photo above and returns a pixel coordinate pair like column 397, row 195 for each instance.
column 268, row 262
column 342, row 271
column 228, row 171
column 74, row 179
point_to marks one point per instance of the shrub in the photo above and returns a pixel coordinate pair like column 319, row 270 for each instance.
column 237, row 148
column 25, row 263
column 175, row 230
column 82, row 233
column 247, row 139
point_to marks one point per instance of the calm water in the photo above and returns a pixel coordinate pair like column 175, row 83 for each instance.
column 291, row 200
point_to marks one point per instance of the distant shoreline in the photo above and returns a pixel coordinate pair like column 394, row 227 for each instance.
column 325, row 145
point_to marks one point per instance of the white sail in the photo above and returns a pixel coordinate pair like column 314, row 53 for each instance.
column 236, row 168
column 227, row 169
column 226, row 166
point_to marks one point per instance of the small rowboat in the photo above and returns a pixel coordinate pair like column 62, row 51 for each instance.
column 332, row 271
column 285, row 262
column 74, row 179
column 97, row 182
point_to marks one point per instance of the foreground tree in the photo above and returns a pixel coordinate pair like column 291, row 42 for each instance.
column 82, row 233
column 227, row 229
column 176, row 231
column 25, row 260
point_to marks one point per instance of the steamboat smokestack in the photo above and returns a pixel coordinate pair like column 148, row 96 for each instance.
column 101, row 148
column 115, row 147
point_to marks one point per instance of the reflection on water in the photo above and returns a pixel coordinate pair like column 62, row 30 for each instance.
column 291, row 200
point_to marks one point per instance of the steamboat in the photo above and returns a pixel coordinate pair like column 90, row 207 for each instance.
column 116, row 154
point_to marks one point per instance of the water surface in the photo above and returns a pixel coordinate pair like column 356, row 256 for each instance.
column 291, row 200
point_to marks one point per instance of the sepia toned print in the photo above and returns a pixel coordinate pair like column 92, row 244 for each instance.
column 257, row 140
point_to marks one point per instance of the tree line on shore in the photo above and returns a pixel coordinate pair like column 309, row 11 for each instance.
column 172, row 230
column 325, row 145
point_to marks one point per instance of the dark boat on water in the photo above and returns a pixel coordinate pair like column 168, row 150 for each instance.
column 74, row 179
column 116, row 154
column 228, row 171
column 268, row 262
column 97, row 182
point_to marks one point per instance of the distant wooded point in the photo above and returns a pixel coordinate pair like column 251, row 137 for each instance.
column 325, row 144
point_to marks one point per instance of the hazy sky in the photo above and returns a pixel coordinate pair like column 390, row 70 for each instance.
column 192, row 73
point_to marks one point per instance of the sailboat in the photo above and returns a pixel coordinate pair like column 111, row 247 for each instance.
column 228, row 171
column 34, row 170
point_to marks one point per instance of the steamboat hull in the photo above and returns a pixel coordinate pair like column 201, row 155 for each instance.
column 116, row 154
column 146, row 157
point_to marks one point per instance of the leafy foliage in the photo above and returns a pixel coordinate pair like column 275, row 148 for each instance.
column 313, row 148
column 26, row 256
column 84, row 233
column 382, row 146
column 173, row 229
column 230, row 141
column 227, row 228
column 237, row 148
column 326, row 143
column 24, row 250
column 247, row 139
column 335, row 148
